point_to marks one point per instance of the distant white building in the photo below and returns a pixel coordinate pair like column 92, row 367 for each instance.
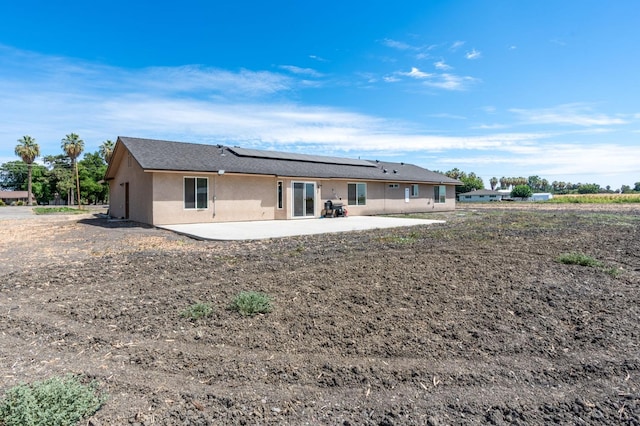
column 541, row 196
column 481, row 196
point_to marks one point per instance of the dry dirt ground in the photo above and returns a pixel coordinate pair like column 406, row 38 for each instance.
column 472, row 321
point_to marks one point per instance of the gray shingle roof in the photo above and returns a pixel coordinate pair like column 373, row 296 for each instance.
column 189, row 157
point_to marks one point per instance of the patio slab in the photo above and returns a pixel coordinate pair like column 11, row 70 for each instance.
column 264, row 229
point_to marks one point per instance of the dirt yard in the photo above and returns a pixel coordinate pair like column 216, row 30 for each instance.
column 472, row 321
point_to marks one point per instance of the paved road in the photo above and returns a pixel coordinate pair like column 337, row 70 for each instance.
column 16, row 212
column 26, row 212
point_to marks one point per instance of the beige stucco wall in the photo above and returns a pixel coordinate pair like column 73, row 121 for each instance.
column 230, row 198
column 381, row 199
column 140, row 190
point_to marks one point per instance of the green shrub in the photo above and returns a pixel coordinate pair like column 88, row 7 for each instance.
column 578, row 259
column 249, row 303
column 56, row 401
column 2, row 203
column 197, row 311
column 19, row 203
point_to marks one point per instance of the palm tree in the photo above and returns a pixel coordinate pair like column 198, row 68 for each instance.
column 73, row 146
column 28, row 150
column 493, row 182
column 106, row 150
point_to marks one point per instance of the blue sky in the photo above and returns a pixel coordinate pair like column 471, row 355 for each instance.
column 499, row 88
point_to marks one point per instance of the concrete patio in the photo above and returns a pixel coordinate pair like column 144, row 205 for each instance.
column 287, row 228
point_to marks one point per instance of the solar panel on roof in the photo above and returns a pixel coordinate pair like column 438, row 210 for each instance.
column 276, row 155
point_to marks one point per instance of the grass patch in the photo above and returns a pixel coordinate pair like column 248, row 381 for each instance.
column 594, row 199
column 585, row 260
column 56, row 401
column 578, row 259
column 250, row 303
column 400, row 239
column 56, row 210
column 197, row 311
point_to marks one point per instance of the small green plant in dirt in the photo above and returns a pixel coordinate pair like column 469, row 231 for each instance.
column 585, row 260
column 249, row 303
column 614, row 272
column 578, row 259
column 401, row 239
column 56, row 401
column 197, row 311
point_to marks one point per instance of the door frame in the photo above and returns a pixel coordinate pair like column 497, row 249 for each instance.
column 305, row 197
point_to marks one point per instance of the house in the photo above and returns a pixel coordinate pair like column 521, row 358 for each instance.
column 161, row 183
column 11, row 197
column 481, row 196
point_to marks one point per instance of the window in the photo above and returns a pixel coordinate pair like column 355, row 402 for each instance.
column 414, row 190
column 439, row 194
column 357, row 194
column 280, row 194
column 196, row 193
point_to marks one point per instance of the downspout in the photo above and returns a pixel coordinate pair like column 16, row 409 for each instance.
column 215, row 191
column 213, row 198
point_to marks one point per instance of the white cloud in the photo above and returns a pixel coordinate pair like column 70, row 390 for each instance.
column 397, row 44
column 301, row 71
column 416, row 73
column 318, row 58
column 451, row 82
column 442, row 65
column 473, row 54
column 444, row 81
column 456, row 45
column 576, row 114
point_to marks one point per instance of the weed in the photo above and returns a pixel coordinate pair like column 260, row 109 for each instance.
column 578, row 259
column 614, row 272
column 56, row 401
column 401, row 239
column 197, row 311
column 249, row 303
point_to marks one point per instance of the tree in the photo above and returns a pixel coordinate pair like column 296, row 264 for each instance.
column 471, row 182
column 73, row 146
column 455, row 173
column 522, row 191
column 590, row 188
column 92, row 169
column 493, row 182
column 13, row 175
column 60, row 175
column 636, row 186
column 106, row 150
column 28, row 150
column 535, row 182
